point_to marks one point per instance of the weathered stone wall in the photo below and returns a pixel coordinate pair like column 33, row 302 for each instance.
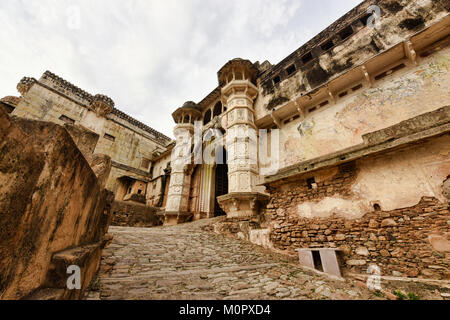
column 413, row 91
column 50, row 201
column 131, row 214
column 125, row 140
column 381, row 221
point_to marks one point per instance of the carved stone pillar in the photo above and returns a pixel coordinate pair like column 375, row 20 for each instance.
column 177, row 207
column 238, row 94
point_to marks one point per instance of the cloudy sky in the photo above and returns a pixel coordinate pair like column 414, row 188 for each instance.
column 150, row 56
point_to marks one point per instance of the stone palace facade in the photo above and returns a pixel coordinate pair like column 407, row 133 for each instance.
column 357, row 122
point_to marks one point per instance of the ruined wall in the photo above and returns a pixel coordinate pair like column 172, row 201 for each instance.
column 380, row 210
column 130, row 214
column 51, row 201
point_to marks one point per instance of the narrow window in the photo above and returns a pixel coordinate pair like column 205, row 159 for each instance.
column 365, row 19
column 323, row 104
column 110, row 137
column 356, row 88
column 276, row 80
column 207, row 118
column 327, row 45
column 307, row 58
column 347, row 32
column 312, row 109
column 381, row 76
column 399, row 67
column 290, row 70
column 377, row 207
column 66, row 119
column 342, row 94
column 217, row 109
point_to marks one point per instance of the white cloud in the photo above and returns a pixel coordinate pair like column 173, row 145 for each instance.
column 151, row 56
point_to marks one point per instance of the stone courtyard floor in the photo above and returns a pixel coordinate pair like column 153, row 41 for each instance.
column 185, row 262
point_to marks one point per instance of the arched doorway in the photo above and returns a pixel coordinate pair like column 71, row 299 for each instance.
column 221, row 180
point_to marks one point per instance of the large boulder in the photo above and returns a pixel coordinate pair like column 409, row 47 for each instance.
column 50, row 201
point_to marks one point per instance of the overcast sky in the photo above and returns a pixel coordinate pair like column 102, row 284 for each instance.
column 151, row 56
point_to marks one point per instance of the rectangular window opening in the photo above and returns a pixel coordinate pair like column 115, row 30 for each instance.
column 365, row 19
column 343, row 94
column 323, row 104
column 66, row 119
column 317, row 261
column 307, row 58
column 110, row 137
column 381, row 76
column 291, row 69
column 276, row 80
column 347, row 32
column 312, row 109
column 356, row 88
column 399, row 67
column 327, row 45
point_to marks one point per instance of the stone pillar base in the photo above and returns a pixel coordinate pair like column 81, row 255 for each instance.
column 243, row 205
column 175, row 218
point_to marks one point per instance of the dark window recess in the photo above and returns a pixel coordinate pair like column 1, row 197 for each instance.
column 347, row 32
column 312, row 109
column 381, row 75
column 276, row 80
column 186, row 119
column 307, row 58
column 323, row 104
column 356, row 88
column 317, row 261
column 377, row 207
column 327, row 45
column 311, row 182
column 399, row 67
column 66, row 119
column 291, row 119
column 139, row 191
column 110, row 137
column 145, row 163
column 207, row 118
column 343, row 94
column 291, row 70
column 217, row 109
column 389, row 72
column 365, row 19
column 9, row 109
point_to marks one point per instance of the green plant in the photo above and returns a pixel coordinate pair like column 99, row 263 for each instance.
column 378, row 294
column 400, row 295
column 413, row 296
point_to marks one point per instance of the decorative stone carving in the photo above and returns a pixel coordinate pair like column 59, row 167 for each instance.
column 25, row 85
column 102, row 105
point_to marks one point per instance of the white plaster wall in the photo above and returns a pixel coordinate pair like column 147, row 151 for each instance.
column 395, row 181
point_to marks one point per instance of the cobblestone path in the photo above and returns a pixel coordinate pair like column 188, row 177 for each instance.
column 185, row 262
